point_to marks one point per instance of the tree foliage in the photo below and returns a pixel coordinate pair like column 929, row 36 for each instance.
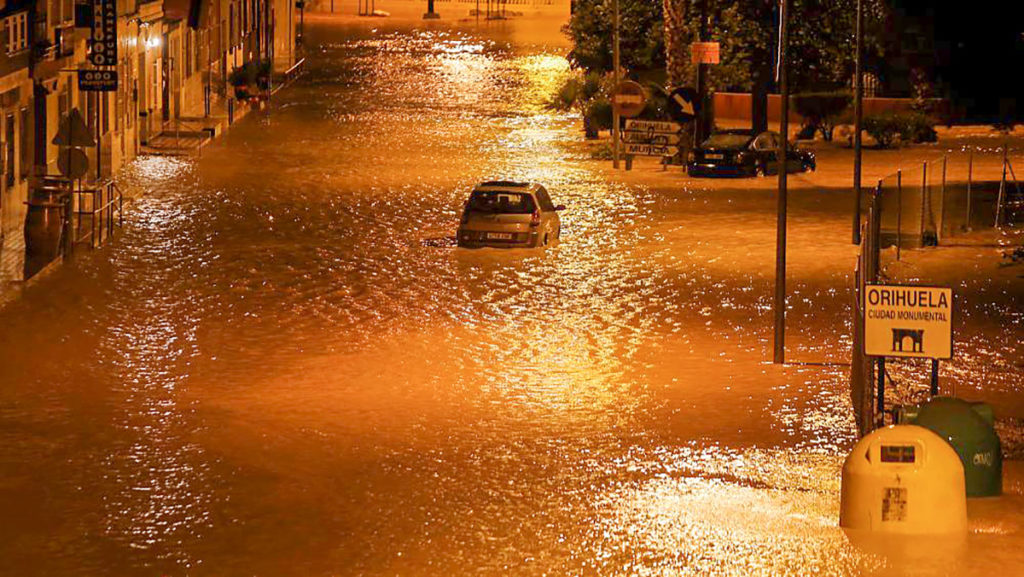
column 821, row 48
column 640, row 36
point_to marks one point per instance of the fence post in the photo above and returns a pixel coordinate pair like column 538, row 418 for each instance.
column 942, row 209
column 970, row 177
column 1002, row 191
column 899, row 212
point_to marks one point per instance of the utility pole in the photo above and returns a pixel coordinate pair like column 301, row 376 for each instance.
column 858, row 114
column 615, row 79
column 702, row 123
column 779, row 306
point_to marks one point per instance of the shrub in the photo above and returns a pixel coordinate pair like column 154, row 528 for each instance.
column 916, row 127
column 821, row 110
column 910, row 127
column 566, row 97
column 598, row 112
column 882, row 127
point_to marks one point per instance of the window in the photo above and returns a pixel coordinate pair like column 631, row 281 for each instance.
column 17, row 32
column 26, row 141
column 544, row 200
column 500, row 202
column 9, row 148
column 188, row 53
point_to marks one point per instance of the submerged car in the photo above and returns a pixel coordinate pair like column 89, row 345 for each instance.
column 509, row 214
column 743, row 153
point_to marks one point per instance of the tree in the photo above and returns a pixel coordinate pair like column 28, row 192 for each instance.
column 821, row 49
column 640, row 35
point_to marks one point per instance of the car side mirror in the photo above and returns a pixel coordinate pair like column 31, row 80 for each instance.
column 560, row 207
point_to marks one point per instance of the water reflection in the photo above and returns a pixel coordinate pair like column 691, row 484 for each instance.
column 281, row 368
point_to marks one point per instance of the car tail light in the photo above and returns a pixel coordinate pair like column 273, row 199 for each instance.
column 535, row 219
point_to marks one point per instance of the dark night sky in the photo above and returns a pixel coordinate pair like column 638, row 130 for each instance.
column 979, row 51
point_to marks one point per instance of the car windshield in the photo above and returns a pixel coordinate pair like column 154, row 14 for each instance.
column 726, row 140
column 500, row 202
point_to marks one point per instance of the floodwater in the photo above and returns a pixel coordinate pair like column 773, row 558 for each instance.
column 283, row 367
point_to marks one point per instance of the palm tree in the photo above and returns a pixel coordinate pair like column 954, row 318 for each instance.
column 677, row 41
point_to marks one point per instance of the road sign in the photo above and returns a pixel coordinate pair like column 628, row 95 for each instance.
column 97, row 80
column 103, row 37
column 73, row 163
column 653, row 126
column 629, row 99
column 650, row 150
column 683, row 104
column 704, row 52
column 908, row 321
column 73, row 131
column 661, row 138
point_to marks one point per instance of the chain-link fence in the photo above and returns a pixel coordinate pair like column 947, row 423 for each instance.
column 936, row 201
column 950, row 200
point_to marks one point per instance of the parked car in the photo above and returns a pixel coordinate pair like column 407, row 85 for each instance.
column 509, row 214
column 743, row 153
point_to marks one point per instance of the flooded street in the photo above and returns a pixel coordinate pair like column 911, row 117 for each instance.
column 283, row 367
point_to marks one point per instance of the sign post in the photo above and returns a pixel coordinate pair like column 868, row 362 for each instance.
column 651, row 138
column 908, row 322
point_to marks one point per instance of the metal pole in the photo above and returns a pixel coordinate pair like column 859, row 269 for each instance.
column 1002, row 191
column 924, row 197
column 615, row 80
column 700, row 122
column 970, row 176
column 942, row 197
column 779, row 305
column 858, row 114
column 99, row 140
column 935, row 377
column 880, row 396
column 899, row 212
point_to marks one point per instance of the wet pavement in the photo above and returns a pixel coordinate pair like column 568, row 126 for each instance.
column 284, row 367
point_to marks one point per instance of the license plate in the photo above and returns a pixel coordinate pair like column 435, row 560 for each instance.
column 499, row 235
column 715, row 156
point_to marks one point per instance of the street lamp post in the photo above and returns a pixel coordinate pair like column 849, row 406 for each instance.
column 858, row 114
column 615, row 80
column 779, row 304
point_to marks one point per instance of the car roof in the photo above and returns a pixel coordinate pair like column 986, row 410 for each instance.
column 507, row 184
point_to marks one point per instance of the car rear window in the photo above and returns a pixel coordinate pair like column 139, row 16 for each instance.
column 726, row 140
column 500, row 202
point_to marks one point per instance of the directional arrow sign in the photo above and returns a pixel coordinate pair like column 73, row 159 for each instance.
column 653, row 126
column 682, row 103
column 659, row 138
column 651, row 150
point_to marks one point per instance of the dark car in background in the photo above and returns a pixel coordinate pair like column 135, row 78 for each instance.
column 744, row 153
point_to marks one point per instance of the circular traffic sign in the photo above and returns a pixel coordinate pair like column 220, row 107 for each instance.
column 73, row 163
column 629, row 99
column 683, row 104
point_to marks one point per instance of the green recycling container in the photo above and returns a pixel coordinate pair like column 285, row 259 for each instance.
column 968, row 427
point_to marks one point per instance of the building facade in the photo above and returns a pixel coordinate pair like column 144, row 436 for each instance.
column 174, row 62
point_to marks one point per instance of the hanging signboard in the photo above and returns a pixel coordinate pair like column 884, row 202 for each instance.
column 97, row 80
column 908, row 321
column 103, row 37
